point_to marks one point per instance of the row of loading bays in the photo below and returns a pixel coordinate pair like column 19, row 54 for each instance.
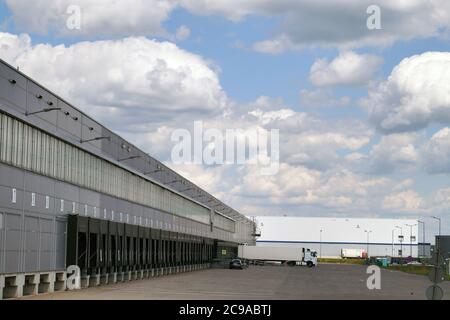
column 101, row 248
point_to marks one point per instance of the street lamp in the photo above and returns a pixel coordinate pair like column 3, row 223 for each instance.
column 400, row 238
column 368, row 232
column 320, row 244
column 423, row 237
column 410, row 237
column 392, row 254
column 437, row 218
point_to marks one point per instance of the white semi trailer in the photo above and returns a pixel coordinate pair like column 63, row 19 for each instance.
column 288, row 255
column 354, row 253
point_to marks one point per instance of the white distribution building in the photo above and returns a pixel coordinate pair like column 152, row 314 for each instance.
column 328, row 236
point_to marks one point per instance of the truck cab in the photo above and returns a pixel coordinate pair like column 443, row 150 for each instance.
column 310, row 257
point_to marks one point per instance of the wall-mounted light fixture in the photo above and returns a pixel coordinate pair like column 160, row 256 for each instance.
column 39, row 96
column 41, row 111
column 50, row 103
column 129, row 158
column 173, row 181
column 75, row 118
column 187, row 189
column 12, row 81
column 199, row 195
column 158, row 168
column 95, row 139
column 153, row 171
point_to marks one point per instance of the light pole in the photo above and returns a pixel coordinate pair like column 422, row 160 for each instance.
column 392, row 254
column 423, row 237
column 368, row 232
column 320, row 244
column 410, row 237
column 400, row 238
column 437, row 218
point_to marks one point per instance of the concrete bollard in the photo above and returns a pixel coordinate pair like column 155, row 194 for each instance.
column 94, row 280
column 112, row 277
column 104, row 279
column 47, row 282
column 60, row 283
column 13, row 286
column 31, row 284
column 85, row 281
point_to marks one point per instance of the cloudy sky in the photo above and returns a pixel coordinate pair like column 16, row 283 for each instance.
column 363, row 114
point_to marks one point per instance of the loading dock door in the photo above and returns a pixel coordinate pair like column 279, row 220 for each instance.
column 78, row 242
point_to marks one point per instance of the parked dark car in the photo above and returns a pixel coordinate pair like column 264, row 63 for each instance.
column 236, row 264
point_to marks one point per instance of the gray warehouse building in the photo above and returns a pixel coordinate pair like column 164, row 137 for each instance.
column 74, row 193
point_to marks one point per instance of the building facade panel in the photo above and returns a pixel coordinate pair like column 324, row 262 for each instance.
column 13, row 242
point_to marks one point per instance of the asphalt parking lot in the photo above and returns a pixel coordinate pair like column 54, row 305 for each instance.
column 326, row 281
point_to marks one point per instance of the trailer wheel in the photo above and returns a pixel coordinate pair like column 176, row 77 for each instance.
column 309, row 264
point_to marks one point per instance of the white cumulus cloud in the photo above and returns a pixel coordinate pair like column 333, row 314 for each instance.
column 99, row 17
column 395, row 152
column 407, row 201
column 333, row 23
column 303, row 23
column 152, row 79
column 437, row 152
column 322, row 97
column 349, row 68
column 415, row 94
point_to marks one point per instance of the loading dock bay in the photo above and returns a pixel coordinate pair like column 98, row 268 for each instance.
column 326, row 281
